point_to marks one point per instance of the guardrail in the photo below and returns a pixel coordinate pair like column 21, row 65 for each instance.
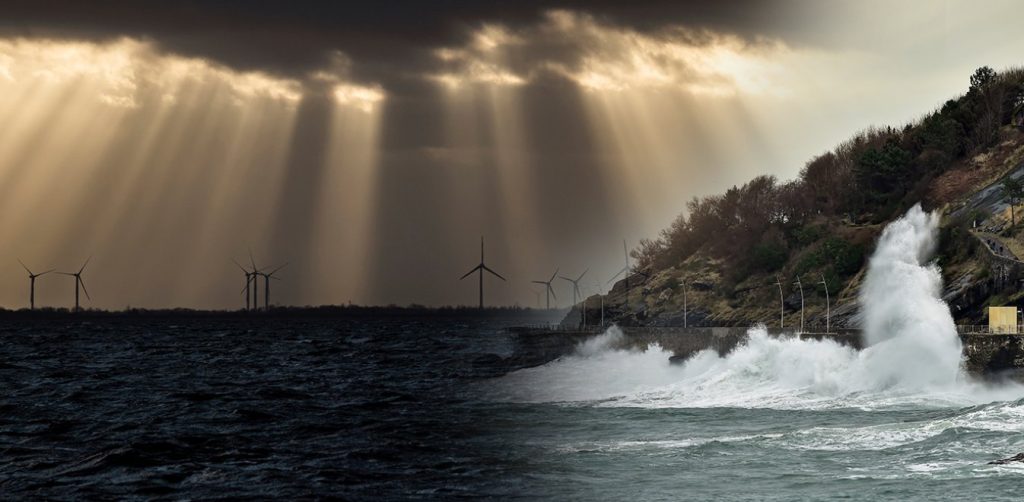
column 984, row 329
column 962, row 329
column 555, row 327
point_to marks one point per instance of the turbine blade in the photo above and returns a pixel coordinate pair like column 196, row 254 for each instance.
column 84, row 265
column 80, row 281
column 272, row 272
column 552, row 290
column 616, row 276
column 239, row 265
column 538, row 282
column 24, row 267
column 65, row 273
column 252, row 260
column 580, row 278
column 493, row 272
column 553, row 275
column 566, row 278
column 44, row 273
column 471, row 272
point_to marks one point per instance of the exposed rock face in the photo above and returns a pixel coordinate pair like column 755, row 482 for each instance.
column 994, row 355
column 1016, row 458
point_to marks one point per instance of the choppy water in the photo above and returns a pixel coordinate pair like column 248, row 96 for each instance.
column 360, row 409
column 618, row 424
column 407, row 409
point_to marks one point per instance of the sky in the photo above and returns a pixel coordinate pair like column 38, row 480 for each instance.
column 370, row 146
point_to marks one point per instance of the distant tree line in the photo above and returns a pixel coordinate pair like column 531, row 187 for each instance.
column 869, row 178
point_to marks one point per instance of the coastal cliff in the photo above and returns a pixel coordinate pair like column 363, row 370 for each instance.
column 801, row 247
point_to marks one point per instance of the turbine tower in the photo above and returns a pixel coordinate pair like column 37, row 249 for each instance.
column 550, row 290
column 575, row 286
column 266, row 285
column 32, row 285
column 79, row 282
column 255, row 286
column 480, row 269
column 248, row 280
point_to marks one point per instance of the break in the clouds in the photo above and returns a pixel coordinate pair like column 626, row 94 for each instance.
column 602, row 57
column 371, row 145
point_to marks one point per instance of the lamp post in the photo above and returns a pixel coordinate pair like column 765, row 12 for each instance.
column 827, row 313
column 584, row 311
column 801, row 286
column 782, row 304
column 685, row 311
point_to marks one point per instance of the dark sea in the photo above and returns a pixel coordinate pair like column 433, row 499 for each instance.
column 442, row 409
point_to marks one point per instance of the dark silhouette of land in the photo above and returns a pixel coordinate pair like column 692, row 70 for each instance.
column 526, row 315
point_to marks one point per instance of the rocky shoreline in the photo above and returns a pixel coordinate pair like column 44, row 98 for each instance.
column 986, row 355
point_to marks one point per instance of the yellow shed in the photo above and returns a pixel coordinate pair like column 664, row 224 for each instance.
column 1002, row 319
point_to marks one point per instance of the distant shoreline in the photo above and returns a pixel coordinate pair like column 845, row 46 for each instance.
column 322, row 312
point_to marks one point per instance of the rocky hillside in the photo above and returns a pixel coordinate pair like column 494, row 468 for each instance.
column 723, row 261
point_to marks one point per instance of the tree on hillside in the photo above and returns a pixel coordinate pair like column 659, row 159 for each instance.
column 883, row 171
column 982, row 77
column 761, row 225
column 1013, row 190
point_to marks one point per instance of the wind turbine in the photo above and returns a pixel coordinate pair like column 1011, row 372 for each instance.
column 575, row 286
column 537, row 295
column 255, row 286
column 32, row 285
column 79, row 282
column 550, row 290
column 248, row 280
column 266, row 285
column 481, row 268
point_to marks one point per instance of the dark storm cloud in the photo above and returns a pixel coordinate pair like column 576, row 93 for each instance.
column 385, row 39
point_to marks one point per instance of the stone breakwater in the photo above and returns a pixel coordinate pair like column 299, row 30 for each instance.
column 986, row 355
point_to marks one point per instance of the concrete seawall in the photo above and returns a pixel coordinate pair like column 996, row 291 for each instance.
column 986, row 355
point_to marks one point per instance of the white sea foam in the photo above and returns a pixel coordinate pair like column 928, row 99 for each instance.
column 912, row 357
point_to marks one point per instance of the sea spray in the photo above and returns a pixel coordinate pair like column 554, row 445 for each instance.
column 598, row 369
column 909, row 330
column 912, row 358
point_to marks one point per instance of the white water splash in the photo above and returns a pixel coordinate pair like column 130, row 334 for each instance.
column 912, row 359
column 910, row 332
